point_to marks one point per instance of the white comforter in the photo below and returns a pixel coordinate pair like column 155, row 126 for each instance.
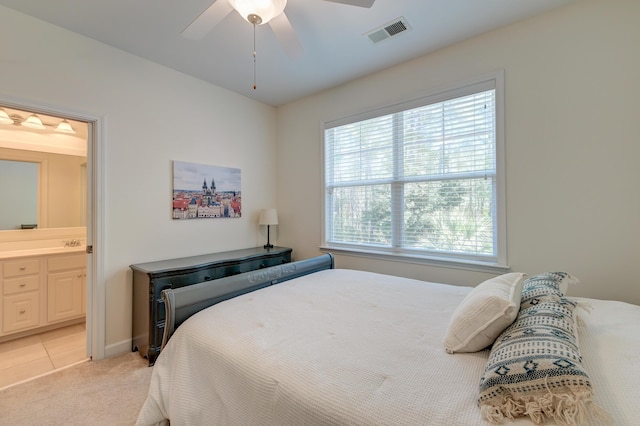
column 343, row 347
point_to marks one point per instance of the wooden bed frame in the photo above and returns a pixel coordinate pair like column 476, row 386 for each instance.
column 181, row 303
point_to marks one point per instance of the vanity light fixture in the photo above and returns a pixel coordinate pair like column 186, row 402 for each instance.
column 33, row 122
column 64, row 127
column 4, row 117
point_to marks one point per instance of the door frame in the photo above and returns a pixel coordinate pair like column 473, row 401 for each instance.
column 96, row 292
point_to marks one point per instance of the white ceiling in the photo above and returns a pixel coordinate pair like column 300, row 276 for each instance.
column 332, row 36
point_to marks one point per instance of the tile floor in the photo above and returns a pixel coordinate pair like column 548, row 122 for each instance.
column 31, row 356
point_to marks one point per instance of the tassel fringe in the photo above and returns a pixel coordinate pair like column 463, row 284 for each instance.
column 568, row 410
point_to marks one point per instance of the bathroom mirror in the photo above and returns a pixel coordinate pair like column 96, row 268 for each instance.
column 19, row 190
column 45, row 189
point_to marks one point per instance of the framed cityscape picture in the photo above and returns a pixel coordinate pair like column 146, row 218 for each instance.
column 203, row 191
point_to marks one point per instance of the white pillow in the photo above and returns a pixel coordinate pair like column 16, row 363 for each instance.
column 484, row 313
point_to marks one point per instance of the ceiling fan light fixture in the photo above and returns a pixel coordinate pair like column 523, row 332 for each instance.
column 265, row 10
column 33, row 122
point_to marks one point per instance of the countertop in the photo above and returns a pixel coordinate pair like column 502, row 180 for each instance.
column 41, row 252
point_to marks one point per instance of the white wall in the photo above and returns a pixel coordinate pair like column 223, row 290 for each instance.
column 572, row 126
column 151, row 115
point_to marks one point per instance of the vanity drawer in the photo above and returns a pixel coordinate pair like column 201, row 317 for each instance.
column 19, row 268
column 20, row 312
column 60, row 263
column 19, row 285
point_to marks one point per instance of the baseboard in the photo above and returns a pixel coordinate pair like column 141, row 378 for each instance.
column 118, row 348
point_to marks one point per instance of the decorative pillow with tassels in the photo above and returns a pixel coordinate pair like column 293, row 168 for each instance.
column 545, row 286
column 535, row 369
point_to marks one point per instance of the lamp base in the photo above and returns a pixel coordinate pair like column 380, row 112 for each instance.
column 268, row 245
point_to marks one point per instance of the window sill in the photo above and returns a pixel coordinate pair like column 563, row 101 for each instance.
column 476, row 266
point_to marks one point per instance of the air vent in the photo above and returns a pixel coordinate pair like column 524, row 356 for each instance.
column 390, row 29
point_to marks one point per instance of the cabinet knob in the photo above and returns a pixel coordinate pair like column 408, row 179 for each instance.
column 79, row 275
column 22, row 311
column 22, row 268
column 23, row 284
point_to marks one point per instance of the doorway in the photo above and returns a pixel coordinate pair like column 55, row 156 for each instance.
column 88, row 130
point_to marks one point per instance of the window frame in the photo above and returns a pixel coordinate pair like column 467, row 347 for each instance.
column 498, row 263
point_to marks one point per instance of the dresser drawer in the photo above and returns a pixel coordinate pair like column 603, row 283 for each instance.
column 19, row 268
column 21, row 284
column 182, row 280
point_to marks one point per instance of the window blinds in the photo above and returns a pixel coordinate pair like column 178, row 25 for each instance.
column 421, row 179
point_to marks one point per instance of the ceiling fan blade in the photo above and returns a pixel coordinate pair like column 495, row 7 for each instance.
column 207, row 20
column 359, row 3
column 286, row 35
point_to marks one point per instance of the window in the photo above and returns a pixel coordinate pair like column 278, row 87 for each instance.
column 421, row 179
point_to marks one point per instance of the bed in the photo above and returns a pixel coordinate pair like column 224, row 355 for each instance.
column 307, row 344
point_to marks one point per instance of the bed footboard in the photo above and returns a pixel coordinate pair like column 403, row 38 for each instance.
column 181, row 303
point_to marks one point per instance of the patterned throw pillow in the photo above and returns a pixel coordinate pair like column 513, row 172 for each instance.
column 548, row 285
column 535, row 369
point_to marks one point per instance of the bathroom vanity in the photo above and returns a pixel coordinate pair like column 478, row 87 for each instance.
column 41, row 289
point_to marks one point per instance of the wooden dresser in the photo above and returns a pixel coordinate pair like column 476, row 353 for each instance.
column 149, row 279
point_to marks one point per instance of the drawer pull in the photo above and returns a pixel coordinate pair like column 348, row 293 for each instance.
column 22, row 311
column 22, row 268
column 23, row 284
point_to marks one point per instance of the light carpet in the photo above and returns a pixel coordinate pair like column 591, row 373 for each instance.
column 105, row 392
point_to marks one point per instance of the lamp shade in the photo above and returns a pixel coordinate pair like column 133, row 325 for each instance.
column 4, row 117
column 33, row 122
column 65, row 127
column 265, row 9
column 268, row 217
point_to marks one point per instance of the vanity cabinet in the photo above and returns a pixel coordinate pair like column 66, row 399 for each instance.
column 41, row 292
column 66, row 277
column 149, row 279
column 21, row 284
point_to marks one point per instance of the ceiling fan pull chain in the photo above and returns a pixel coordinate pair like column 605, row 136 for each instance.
column 255, row 20
column 254, row 56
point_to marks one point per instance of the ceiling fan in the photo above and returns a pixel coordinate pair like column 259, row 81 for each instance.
column 257, row 12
